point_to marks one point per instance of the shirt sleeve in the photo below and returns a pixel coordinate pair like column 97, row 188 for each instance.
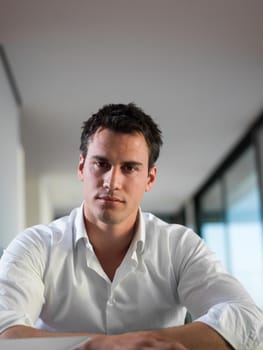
column 214, row 297
column 21, row 280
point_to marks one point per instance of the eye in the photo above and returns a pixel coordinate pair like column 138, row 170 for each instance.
column 101, row 164
column 129, row 168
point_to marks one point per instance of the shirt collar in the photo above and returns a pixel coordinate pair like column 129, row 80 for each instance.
column 80, row 230
column 139, row 237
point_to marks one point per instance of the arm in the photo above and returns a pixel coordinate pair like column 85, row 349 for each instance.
column 21, row 283
column 214, row 298
column 20, row 331
column 196, row 335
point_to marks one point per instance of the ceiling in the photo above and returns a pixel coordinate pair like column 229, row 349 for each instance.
column 195, row 65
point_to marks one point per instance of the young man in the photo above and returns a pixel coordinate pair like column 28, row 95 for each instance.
column 122, row 276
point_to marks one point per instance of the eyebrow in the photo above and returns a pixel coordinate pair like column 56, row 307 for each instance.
column 100, row 158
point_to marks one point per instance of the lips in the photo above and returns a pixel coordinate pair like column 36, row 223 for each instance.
column 108, row 198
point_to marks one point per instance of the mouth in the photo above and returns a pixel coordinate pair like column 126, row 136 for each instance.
column 109, row 199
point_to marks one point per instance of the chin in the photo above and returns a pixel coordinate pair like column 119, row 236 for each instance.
column 108, row 218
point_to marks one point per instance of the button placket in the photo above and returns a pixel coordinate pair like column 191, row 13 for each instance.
column 110, row 310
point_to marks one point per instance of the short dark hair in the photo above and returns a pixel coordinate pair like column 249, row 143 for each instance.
column 123, row 118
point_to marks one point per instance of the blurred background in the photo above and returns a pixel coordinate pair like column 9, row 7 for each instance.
column 196, row 66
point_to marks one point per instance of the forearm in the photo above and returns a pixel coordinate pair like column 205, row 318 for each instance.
column 196, row 336
column 30, row 332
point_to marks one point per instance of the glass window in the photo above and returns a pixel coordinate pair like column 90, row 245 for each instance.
column 212, row 221
column 243, row 224
column 231, row 222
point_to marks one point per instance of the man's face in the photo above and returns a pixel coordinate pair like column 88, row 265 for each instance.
column 115, row 175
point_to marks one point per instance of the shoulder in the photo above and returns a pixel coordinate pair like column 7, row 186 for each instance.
column 40, row 238
column 32, row 249
column 155, row 226
column 178, row 241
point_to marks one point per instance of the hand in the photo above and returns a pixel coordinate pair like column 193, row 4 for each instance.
column 130, row 341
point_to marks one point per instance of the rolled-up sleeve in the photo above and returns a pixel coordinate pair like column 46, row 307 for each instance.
column 21, row 281
column 240, row 324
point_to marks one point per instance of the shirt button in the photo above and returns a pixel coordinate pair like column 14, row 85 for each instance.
column 111, row 301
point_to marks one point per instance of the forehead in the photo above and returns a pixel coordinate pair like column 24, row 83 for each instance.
column 117, row 142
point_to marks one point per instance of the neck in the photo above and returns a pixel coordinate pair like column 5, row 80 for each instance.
column 110, row 244
column 115, row 238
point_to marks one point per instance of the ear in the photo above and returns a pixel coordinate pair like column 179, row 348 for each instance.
column 151, row 178
column 81, row 167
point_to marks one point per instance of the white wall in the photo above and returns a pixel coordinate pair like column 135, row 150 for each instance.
column 39, row 205
column 12, row 202
column 32, row 201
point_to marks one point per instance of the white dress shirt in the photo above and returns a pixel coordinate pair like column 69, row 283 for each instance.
column 50, row 278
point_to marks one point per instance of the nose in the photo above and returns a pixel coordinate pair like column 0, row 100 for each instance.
column 112, row 179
